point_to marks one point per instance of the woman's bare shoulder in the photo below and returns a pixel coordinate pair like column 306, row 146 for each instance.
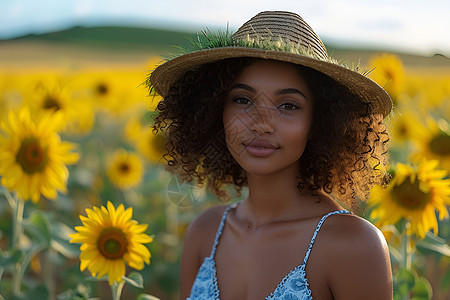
column 208, row 218
column 358, row 258
column 202, row 230
column 353, row 237
column 350, row 227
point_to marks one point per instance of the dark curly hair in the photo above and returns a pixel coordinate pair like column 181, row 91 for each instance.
column 344, row 156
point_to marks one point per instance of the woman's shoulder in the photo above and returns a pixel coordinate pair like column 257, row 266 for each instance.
column 356, row 254
column 352, row 234
column 208, row 218
column 202, row 230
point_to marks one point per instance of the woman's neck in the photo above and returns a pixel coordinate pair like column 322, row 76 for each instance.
column 274, row 198
column 272, row 193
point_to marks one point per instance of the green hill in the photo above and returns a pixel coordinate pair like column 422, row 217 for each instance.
column 108, row 42
column 114, row 37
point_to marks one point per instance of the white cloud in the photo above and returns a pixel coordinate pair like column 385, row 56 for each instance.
column 82, row 9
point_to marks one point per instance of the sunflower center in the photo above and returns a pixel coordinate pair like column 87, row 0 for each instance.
column 51, row 103
column 440, row 144
column 32, row 157
column 112, row 243
column 403, row 130
column 124, row 168
column 409, row 195
column 102, row 89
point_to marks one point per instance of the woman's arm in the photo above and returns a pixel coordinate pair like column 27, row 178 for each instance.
column 198, row 243
column 190, row 260
column 359, row 262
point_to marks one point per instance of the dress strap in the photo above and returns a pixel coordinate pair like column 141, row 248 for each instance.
column 319, row 225
column 220, row 229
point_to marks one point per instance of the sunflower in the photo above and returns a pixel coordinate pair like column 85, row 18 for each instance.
column 433, row 142
column 433, row 91
column 133, row 129
column 101, row 89
column 415, row 195
column 151, row 145
column 32, row 156
column 116, row 93
column 389, row 74
column 403, row 127
column 54, row 95
column 124, row 169
column 10, row 96
column 110, row 238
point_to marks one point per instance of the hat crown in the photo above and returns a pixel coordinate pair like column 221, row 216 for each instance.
column 276, row 35
column 285, row 27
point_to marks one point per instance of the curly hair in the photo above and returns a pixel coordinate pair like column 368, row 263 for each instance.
column 345, row 155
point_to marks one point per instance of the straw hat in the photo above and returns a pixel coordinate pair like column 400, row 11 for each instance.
column 276, row 35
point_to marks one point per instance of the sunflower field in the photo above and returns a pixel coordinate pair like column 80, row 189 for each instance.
column 87, row 210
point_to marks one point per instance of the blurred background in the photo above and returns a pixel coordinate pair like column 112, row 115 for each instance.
column 150, row 27
column 88, row 59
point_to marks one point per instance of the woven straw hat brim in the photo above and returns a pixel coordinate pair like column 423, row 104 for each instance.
column 164, row 76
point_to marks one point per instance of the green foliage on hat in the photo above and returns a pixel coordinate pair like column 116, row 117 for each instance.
column 223, row 39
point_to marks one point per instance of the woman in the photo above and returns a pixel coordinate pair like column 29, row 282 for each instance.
column 267, row 109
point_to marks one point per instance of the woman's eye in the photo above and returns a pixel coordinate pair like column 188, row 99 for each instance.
column 289, row 106
column 242, row 101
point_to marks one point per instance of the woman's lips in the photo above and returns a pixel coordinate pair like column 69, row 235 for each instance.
column 260, row 148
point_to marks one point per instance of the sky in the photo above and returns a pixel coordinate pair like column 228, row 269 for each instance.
column 413, row 26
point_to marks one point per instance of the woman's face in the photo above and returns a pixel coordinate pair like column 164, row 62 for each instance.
column 267, row 117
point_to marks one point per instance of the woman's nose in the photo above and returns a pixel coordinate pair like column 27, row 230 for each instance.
column 261, row 119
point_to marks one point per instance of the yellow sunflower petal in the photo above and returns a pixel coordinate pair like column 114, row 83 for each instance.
column 414, row 195
column 31, row 147
column 110, row 238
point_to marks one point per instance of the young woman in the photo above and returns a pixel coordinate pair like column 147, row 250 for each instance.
column 267, row 109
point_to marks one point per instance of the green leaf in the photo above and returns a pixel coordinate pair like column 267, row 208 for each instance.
column 18, row 297
column 80, row 293
column 396, row 256
column 146, row 297
column 392, row 229
column 435, row 244
column 7, row 259
column 445, row 285
column 38, row 226
column 422, row 290
column 135, row 279
column 400, row 225
column 40, row 292
column 404, row 281
column 62, row 231
column 96, row 279
column 3, row 204
column 61, row 241
column 66, row 249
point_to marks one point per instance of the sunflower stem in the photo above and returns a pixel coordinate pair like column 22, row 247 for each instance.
column 406, row 248
column 11, row 200
column 17, row 232
column 406, row 252
column 17, row 222
column 116, row 289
